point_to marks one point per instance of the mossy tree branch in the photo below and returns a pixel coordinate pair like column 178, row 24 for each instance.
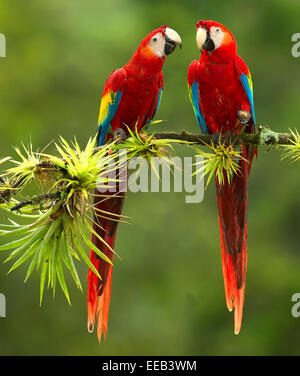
column 63, row 212
column 264, row 136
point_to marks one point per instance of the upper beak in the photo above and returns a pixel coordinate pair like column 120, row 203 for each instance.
column 203, row 40
column 172, row 39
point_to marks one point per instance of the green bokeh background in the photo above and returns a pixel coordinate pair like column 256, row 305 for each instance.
column 167, row 292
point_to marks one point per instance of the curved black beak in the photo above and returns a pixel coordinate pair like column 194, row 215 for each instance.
column 172, row 39
column 170, row 46
column 209, row 44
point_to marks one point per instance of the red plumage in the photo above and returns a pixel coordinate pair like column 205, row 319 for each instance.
column 221, row 95
column 130, row 99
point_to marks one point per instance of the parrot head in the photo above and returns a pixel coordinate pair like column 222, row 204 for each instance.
column 160, row 42
column 213, row 37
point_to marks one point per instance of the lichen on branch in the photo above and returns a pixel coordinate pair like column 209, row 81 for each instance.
column 263, row 137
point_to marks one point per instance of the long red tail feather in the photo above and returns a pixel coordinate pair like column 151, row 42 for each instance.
column 232, row 200
column 98, row 292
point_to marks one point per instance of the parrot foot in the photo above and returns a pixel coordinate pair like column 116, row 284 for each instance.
column 215, row 139
column 243, row 116
column 119, row 135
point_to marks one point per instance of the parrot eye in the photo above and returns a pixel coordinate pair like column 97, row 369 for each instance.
column 154, row 39
column 218, row 30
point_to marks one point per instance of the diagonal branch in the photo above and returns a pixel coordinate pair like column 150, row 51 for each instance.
column 37, row 200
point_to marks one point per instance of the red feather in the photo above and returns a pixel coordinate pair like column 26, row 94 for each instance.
column 106, row 225
column 140, row 82
column 221, row 96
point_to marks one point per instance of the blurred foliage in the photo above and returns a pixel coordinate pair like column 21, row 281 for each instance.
column 167, row 292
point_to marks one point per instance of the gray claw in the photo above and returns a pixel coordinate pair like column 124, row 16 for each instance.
column 243, row 116
column 119, row 135
column 215, row 138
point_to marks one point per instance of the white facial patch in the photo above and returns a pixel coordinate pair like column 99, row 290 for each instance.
column 157, row 44
column 217, row 36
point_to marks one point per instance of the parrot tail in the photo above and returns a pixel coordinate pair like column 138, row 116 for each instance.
column 108, row 207
column 232, row 200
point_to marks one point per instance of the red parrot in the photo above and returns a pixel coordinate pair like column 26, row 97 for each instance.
column 130, row 98
column 221, row 92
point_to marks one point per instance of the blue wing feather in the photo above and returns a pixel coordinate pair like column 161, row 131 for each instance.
column 158, row 102
column 157, row 106
column 194, row 96
column 247, row 84
column 105, row 123
column 114, row 86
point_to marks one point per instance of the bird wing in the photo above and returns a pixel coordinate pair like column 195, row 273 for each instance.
column 193, row 89
column 156, row 101
column 244, row 75
column 112, row 94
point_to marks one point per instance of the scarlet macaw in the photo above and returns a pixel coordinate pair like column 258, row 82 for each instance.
column 220, row 90
column 131, row 98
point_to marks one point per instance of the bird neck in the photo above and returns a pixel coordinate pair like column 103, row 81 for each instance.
column 223, row 55
column 145, row 62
